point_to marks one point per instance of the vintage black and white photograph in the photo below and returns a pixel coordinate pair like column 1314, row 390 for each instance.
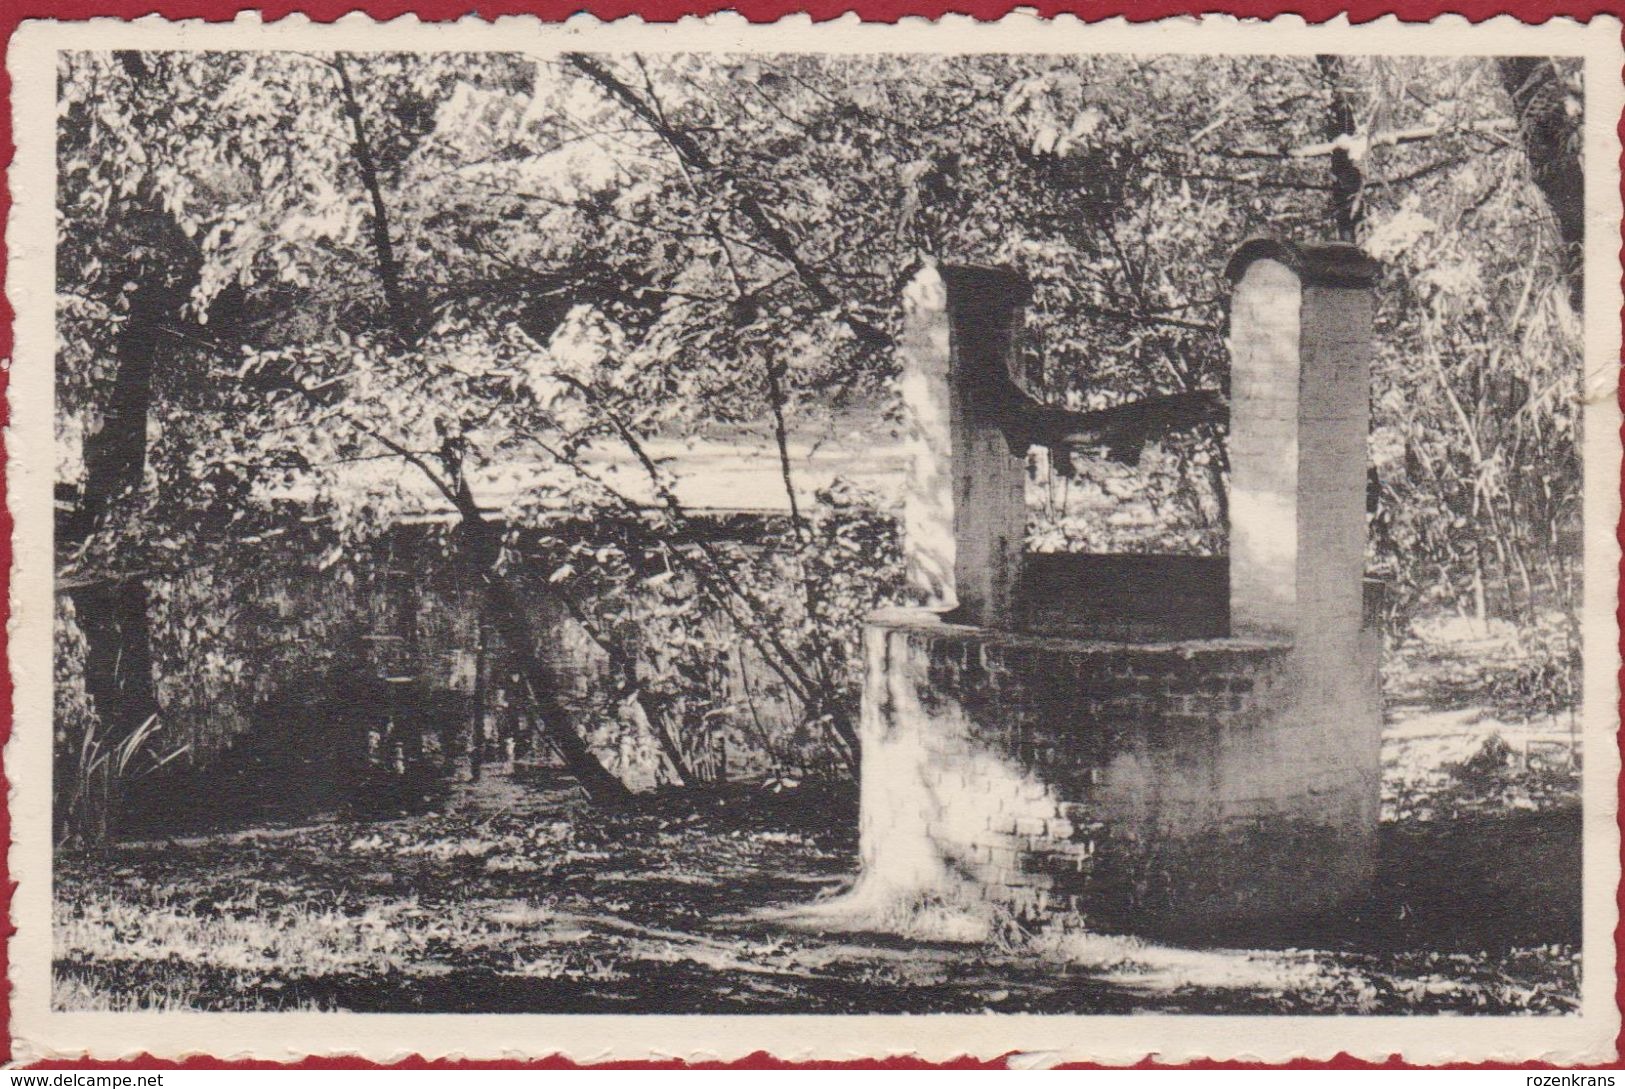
column 733, row 531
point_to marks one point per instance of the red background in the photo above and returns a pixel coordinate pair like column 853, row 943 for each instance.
column 12, row 12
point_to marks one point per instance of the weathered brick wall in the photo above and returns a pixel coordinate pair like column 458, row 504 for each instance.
column 965, row 512
column 1131, row 598
column 1300, row 328
column 278, row 649
column 1156, row 788
column 1263, row 448
column 1227, row 770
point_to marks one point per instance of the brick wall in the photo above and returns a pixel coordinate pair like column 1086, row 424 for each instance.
column 1265, row 324
column 277, row 639
column 1132, row 597
column 1165, row 787
column 1220, row 761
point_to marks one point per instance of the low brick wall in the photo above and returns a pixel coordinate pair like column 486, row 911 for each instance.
column 1151, row 788
column 1124, row 598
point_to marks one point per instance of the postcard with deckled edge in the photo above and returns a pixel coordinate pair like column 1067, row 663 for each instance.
column 847, row 540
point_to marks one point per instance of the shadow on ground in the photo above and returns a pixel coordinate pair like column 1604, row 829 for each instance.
column 515, row 898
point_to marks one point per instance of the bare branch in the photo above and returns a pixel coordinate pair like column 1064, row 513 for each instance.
column 389, row 269
column 1358, row 144
column 690, row 152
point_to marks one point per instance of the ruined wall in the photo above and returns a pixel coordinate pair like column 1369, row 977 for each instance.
column 1164, row 787
column 1219, row 761
column 965, row 512
column 277, row 628
column 268, row 666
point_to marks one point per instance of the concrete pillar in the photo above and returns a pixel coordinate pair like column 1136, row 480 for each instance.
column 1300, row 346
column 965, row 514
column 928, row 505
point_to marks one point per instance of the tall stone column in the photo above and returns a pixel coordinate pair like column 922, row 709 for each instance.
column 965, row 514
column 1300, row 346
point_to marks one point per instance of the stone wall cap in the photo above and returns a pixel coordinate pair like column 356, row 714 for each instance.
column 938, row 623
column 1332, row 264
column 987, row 285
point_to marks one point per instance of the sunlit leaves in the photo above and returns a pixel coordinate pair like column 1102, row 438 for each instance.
column 575, row 281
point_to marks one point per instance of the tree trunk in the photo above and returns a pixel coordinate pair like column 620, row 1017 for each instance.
column 480, row 549
column 118, row 656
column 118, row 679
column 476, row 732
column 508, row 616
column 658, row 726
column 1481, row 612
column 1551, row 140
column 1347, row 181
column 112, row 612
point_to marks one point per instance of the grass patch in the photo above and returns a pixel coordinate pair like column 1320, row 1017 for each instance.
column 518, row 900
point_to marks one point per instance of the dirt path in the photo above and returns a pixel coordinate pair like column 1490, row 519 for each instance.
column 516, row 899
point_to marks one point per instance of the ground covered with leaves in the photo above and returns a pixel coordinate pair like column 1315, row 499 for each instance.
column 516, row 897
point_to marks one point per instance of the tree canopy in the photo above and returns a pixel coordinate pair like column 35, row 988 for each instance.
column 337, row 284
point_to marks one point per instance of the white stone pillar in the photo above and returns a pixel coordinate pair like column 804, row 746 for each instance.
column 928, row 507
column 965, row 514
column 1300, row 347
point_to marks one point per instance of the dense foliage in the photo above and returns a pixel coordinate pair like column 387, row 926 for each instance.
column 370, row 286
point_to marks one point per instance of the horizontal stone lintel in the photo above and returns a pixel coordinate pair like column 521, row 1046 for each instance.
column 1329, row 264
column 930, row 624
